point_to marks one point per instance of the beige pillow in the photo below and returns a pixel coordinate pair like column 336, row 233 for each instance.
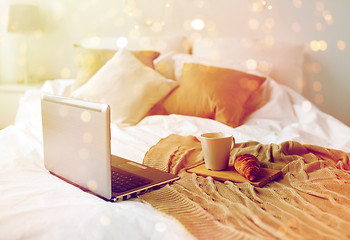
column 90, row 60
column 128, row 86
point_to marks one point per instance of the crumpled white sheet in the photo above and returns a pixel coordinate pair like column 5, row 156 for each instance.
column 36, row 205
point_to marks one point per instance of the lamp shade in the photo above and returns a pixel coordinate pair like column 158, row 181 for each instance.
column 23, row 18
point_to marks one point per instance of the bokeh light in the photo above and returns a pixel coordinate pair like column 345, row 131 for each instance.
column 320, row 45
column 317, row 86
column 328, row 17
column 251, row 64
column 197, row 24
column 319, row 99
column 341, row 45
column 297, row 3
column 306, row 106
column 85, row 116
column 160, row 227
column 92, row 185
column 122, row 42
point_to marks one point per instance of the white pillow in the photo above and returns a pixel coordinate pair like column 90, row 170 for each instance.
column 180, row 59
column 285, row 60
column 128, row 86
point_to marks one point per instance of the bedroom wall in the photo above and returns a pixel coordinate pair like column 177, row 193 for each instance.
column 320, row 24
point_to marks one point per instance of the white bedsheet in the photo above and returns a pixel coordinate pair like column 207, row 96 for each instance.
column 36, row 205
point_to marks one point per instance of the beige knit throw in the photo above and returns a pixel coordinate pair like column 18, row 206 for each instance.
column 310, row 201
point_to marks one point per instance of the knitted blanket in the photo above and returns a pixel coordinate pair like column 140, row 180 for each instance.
column 311, row 200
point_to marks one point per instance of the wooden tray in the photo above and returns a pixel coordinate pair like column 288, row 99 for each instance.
column 266, row 175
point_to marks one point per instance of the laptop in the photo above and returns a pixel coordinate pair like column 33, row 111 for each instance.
column 77, row 149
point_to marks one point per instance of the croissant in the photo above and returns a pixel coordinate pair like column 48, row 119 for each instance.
column 248, row 166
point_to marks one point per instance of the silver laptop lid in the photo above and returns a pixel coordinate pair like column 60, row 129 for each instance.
column 76, row 140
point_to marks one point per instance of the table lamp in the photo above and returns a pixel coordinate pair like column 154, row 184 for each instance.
column 24, row 19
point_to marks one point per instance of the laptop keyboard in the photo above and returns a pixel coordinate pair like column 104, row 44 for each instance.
column 124, row 181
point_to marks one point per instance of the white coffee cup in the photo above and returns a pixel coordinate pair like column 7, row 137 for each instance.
column 216, row 149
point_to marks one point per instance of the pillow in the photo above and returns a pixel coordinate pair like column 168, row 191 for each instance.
column 284, row 59
column 180, row 59
column 166, row 45
column 211, row 92
column 128, row 86
column 89, row 61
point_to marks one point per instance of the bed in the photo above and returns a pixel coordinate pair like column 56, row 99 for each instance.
column 311, row 148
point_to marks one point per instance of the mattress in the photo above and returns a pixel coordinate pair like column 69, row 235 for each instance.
column 36, row 205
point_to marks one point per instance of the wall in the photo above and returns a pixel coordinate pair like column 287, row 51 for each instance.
column 322, row 23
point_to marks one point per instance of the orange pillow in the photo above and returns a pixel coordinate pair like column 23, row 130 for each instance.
column 212, row 92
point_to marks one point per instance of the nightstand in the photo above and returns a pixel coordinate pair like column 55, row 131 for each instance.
column 10, row 95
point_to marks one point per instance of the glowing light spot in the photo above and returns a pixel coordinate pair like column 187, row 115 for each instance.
column 306, row 106
column 122, row 42
column 157, row 26
column 297, row 3
column 328, row 17
column 341, row 45
column 314, row 45
column 92, row 185
column 317, row 86
column 63, row 111
column 296, row 27
column 318, row 45
column 253, row 24
column 84, row 153
column 320, row 6
column 319, row 26
column 65, row 73
column 247, row 83
column 105, row 221
column 259, row 5
column 160, row 227
column 316, row 67
column 251, row 64
column 264, row 67
column 162, row 67
column 87, row 138
column 319, row 99
column 252, row 84
column 323, row 45
column 85, row 116
column 198, row 24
